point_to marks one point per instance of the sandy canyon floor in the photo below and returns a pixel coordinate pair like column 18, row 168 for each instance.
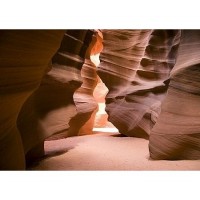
column 105, row 151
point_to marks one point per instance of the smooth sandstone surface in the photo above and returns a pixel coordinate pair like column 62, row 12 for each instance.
column 176, row 134
column 24, row 58
column 82, row 123
column 50, row 108
column 47, row 91
column 135, row 67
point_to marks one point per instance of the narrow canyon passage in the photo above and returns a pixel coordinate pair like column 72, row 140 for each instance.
column 101, row 122
column 93, row 99
column 104, row 149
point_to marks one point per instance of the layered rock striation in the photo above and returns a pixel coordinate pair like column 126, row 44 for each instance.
column 86, row 105
column 176, row 134
column 48, row 111
column 48, row 79
column 135, row 66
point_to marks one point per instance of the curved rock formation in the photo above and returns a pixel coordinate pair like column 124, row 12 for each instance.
column 135, row 66
column 86, row 105
column 24, row 57
column 176, row 134
column 41, row 95
column 48, row 111
column 101, row 116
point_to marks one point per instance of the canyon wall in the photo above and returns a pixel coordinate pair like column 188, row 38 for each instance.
column 48, row 111
column 176, row 135
column 24, row 58
column 40, row 71
column 135, row 66
column 48, row 80
column 86, row 104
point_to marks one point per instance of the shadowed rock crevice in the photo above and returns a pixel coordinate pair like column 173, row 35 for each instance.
column 24, row 59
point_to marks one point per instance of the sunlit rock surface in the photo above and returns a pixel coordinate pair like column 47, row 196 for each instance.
column 101, row 122
column 82, row 123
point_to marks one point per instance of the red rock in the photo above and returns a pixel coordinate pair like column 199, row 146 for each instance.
column 82, row 123
column 176, row 134
column 135, row 67
column 24, row 57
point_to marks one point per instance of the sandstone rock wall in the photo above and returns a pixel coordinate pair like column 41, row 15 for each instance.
column 86, row 105
column 135, row 66
column 48, row 111
column 176, row 134
column 47, row 81
column 24, row 58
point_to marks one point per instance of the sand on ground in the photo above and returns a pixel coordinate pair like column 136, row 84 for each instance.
column 105, row 151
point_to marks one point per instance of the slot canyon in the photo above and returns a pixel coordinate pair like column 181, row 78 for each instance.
column 100, row 99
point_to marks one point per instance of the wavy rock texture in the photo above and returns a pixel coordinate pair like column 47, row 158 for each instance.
column 176, row 134
column 101, row 116
column 135, row 67
column 48, row 111
column 24, row 57
column 86, row 105
column 84, row 100
column 41, row 97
